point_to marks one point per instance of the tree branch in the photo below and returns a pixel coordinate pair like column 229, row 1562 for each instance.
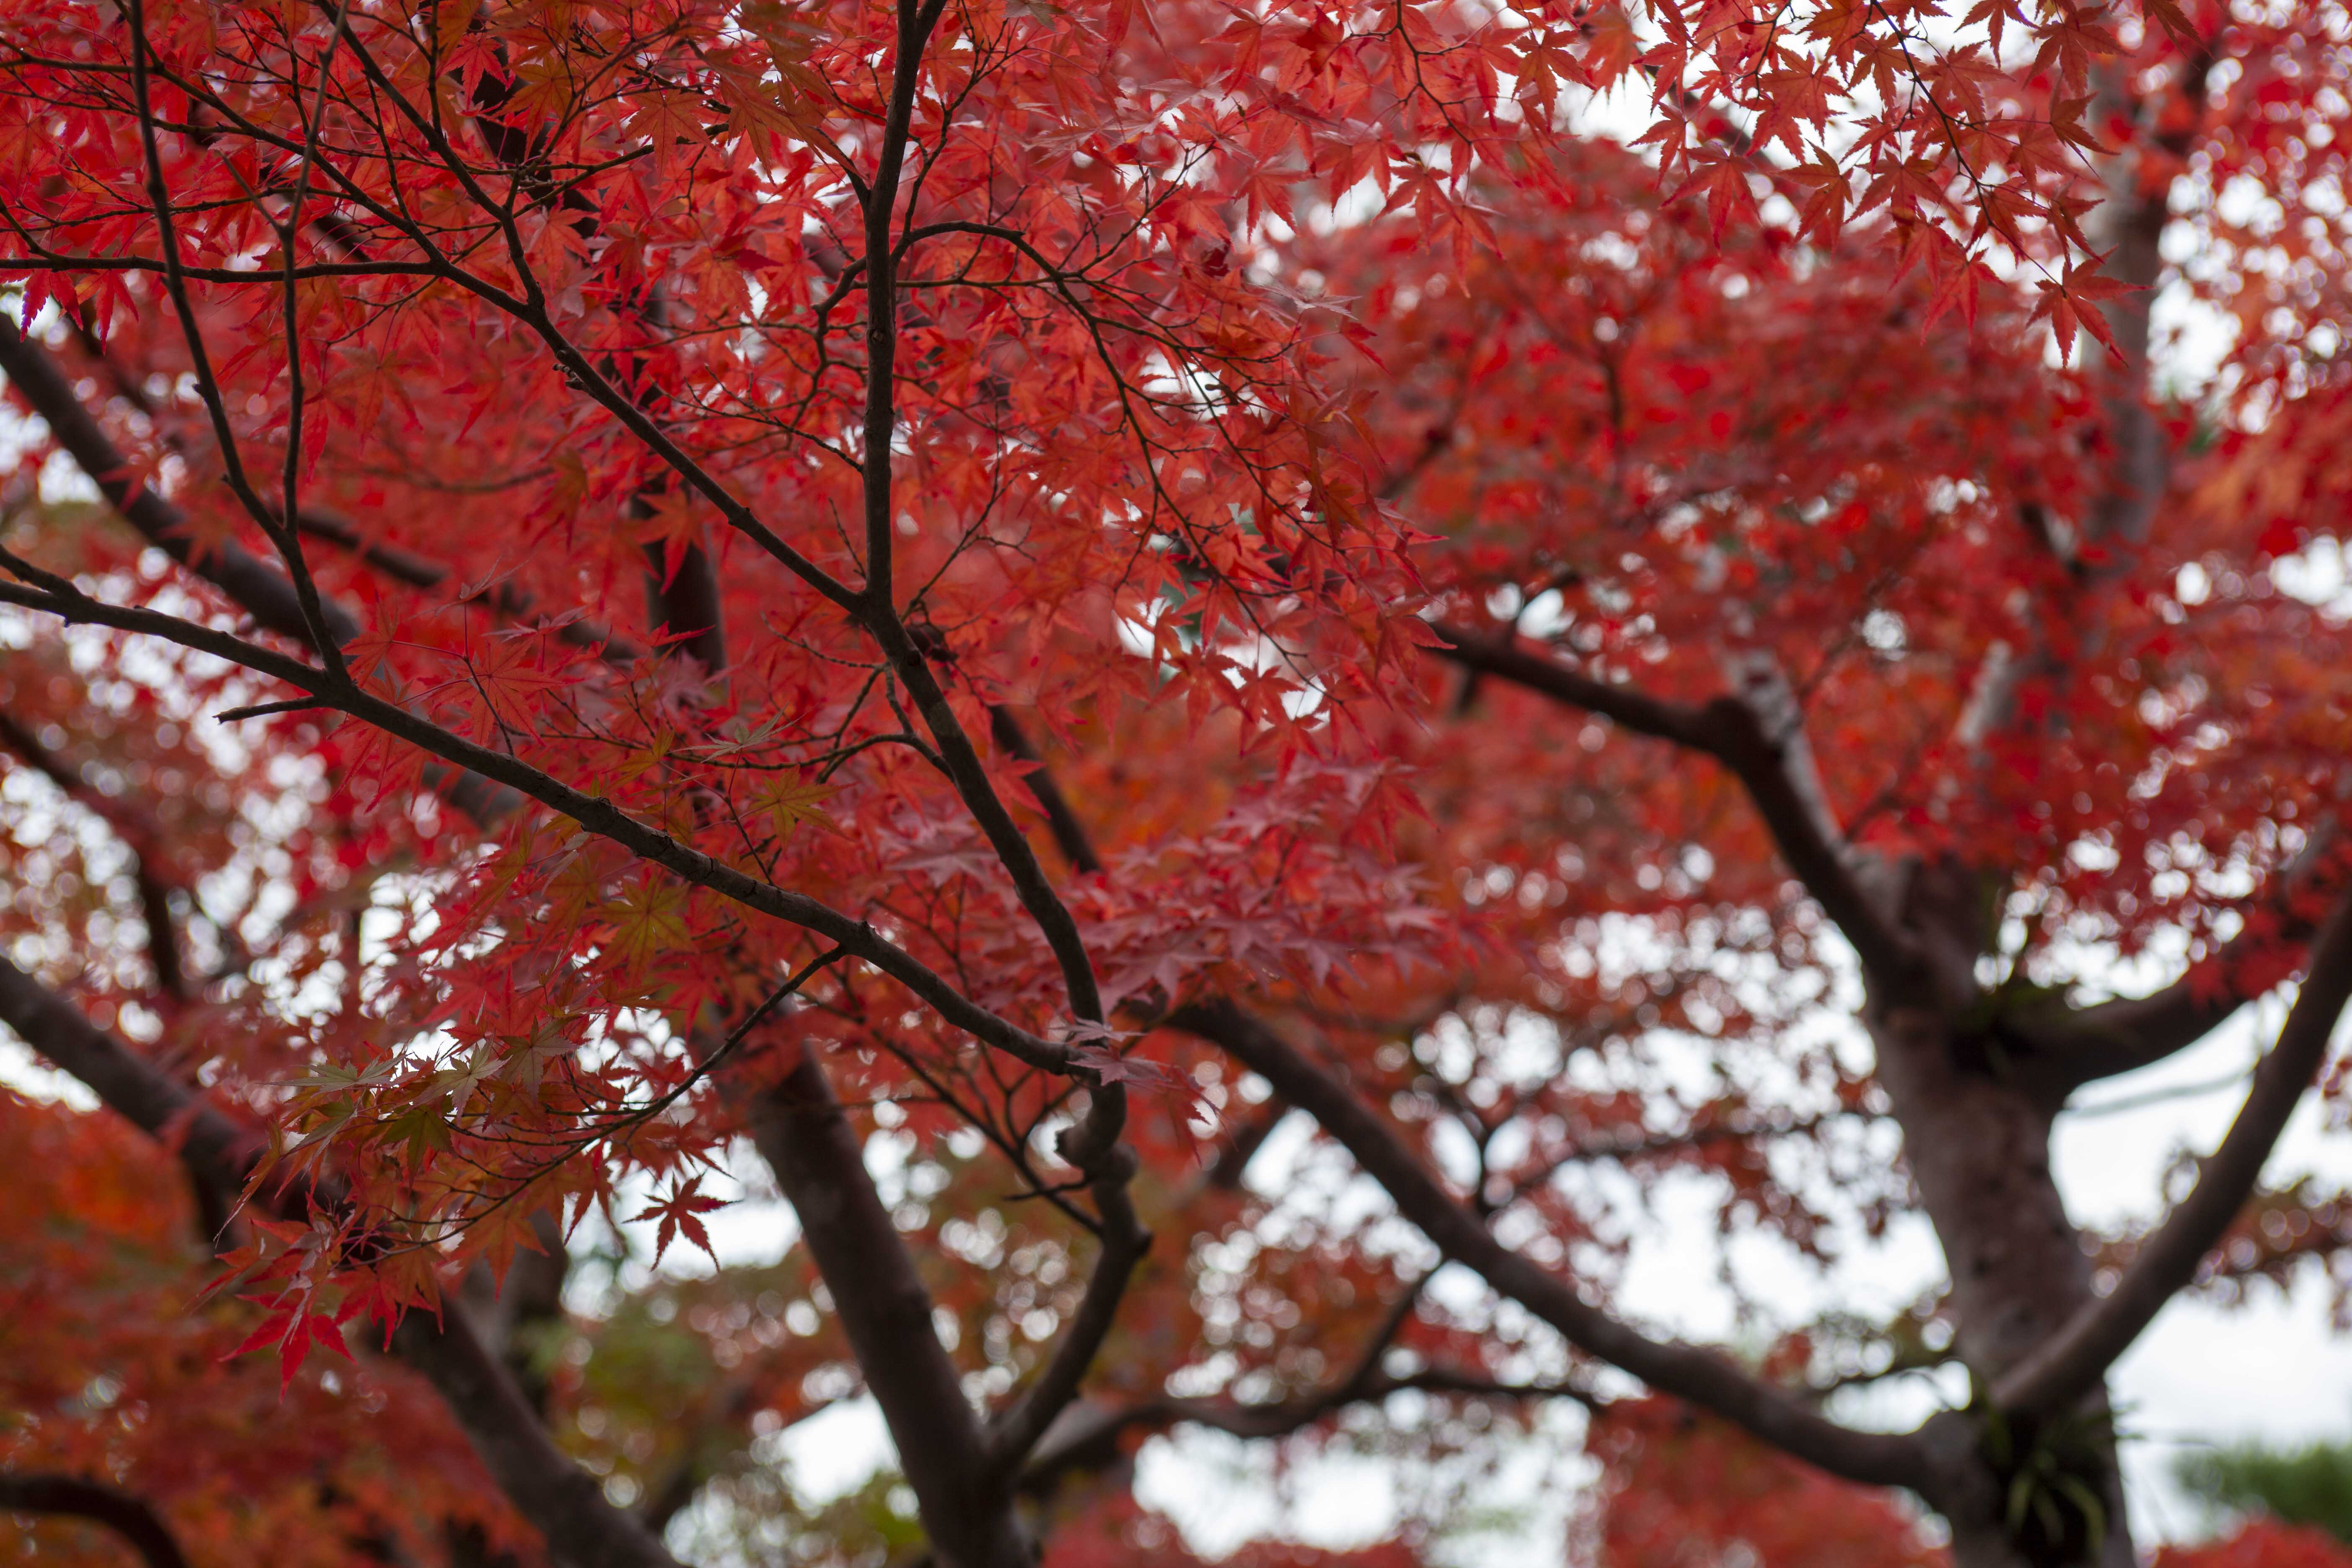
column 323, row 638
column 1699, row 1377
column 139, row 833
column 1635, row 709
column 118, row 1510
column 1070, row 835
column 1760, row 752
column 1078, row 1443
column 503, row 598
column 255, row 586
column 1093, row 1145
column 2082, row 1045
column 2071, row 1363
column 1021, row 1425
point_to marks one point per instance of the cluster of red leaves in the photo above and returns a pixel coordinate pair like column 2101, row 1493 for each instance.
column 1676, row 1487
column 113, row 1369
column 2260, row 1543
column 1117, row 415
column 1186, row 461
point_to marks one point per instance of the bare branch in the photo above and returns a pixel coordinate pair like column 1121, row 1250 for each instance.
column 1702, row 1377
column 1635, row 709
column 1083, row 1442
column 324, row 639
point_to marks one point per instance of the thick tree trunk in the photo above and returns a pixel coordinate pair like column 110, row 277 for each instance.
column 1977, row 1143
column 799, row 1129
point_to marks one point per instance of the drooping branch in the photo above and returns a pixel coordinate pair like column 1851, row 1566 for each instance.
column 1702, row 1377
column 118, row 1510
column 684, row 592
column 1759, row 750
column 2071, row 1362
column 532, row 307
column 564, row 1501
column 325, row 638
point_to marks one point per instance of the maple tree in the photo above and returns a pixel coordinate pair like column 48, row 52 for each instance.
column 994, row 599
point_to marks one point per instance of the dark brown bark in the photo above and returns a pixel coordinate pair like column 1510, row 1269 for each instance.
column 1978, row 1145
column 819, row 1162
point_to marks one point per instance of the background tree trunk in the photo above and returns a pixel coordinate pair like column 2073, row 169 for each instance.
column 1977, row 1144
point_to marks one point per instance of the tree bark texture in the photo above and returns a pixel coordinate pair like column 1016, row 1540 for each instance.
column 1977, row 1144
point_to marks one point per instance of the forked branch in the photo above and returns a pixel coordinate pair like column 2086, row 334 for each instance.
column 1729, row 730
